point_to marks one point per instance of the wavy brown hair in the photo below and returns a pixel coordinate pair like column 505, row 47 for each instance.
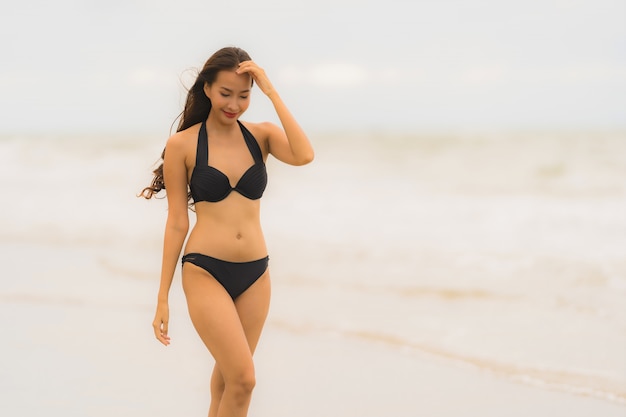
column 198, row 105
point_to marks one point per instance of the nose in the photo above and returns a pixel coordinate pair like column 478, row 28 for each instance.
column 233, row 103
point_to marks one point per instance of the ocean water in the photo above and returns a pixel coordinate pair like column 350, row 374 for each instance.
column 503, row 252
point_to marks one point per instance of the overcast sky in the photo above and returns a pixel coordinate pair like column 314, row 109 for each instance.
column 117, row 65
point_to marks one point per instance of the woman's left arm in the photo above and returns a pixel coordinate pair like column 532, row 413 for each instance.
column 289, row 144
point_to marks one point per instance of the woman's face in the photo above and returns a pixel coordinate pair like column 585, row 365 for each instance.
column 229, row 95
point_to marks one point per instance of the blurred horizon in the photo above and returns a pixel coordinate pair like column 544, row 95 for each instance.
column 324, row 134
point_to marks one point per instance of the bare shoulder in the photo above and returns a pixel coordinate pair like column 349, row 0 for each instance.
column 184, row 137
column 263, row 132
column 184, row 142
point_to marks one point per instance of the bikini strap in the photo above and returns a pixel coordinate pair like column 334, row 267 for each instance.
column 253, row 145
column 202, row 150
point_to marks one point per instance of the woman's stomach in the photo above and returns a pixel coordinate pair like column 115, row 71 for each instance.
column 227, row 232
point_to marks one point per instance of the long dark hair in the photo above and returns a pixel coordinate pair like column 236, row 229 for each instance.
column 198, row 105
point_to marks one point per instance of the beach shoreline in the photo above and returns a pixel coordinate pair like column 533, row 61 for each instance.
column 90, row 351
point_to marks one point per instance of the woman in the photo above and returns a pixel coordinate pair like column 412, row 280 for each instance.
column 225, row 264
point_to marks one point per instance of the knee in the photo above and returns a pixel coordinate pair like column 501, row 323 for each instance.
column 246, row 382
column 243, row 384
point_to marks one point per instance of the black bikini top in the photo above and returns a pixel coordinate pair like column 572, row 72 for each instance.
column 210, row 184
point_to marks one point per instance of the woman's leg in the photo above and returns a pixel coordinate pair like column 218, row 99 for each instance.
column 217, row 390
column 231, row 332
column 252, row 307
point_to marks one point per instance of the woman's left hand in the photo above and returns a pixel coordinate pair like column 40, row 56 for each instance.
column 258, row 75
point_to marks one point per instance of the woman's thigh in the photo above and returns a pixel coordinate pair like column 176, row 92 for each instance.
column 252, row 307
column 229, row 330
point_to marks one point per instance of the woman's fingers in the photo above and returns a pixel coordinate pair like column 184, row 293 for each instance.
column 248, row 66
column 258, row 75
column 160, row 331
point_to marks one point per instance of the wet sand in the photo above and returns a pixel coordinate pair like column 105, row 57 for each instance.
column 81, row 345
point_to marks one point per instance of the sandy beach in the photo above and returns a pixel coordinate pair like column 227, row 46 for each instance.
column 88, row 351
column 453, row 285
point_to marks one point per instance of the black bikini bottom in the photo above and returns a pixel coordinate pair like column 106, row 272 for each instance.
column 235, row 277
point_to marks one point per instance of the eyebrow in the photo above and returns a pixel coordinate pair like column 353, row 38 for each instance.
column 230, row 91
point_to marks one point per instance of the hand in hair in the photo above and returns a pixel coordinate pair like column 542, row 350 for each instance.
column 258, row 75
